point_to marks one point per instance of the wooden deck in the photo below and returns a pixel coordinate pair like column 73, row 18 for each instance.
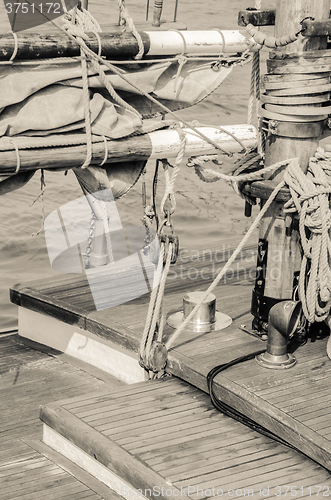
column 165, row 436
column 279, row 400
column 30, row 470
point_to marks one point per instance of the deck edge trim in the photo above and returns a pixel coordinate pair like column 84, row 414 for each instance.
column 104, row 450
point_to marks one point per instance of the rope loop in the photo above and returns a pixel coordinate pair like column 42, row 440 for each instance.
column 168, row 203
column 18, row 159
column 14, row 54
column 127, row 24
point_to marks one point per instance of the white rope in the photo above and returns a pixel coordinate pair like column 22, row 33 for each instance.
column 14, row 54
column 105, row 220
column 169, row 193
column 310, row 199
column 209, row 175
column 18, row 159
column 127, row 23
column 220, row 275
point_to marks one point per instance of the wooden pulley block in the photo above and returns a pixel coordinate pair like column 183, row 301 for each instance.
column 313, row 99
column 293, row 84
column 317, row 89
column 157, row 358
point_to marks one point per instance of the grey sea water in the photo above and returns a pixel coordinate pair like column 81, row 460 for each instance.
column 206, row 214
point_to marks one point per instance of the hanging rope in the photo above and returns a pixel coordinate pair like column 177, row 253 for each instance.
column 77, row 25
column 41, row 195
column 152, row 353
column 223, row 271
column 127, row 24
column 105, row 220
column 209, row 175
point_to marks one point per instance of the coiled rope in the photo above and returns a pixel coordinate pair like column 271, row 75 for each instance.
column 310, row 199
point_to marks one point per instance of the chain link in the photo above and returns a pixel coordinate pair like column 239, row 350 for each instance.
column 87, row 255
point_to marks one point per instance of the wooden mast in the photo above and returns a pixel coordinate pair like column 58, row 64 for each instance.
column 289, row 15
column 279, row 253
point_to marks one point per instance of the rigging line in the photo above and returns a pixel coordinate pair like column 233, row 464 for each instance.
column 95, row 56
column 167, row 110
column 70, row 59
column 224, row 269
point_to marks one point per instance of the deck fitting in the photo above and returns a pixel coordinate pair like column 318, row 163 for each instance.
column 283, row 321
column 205, row 320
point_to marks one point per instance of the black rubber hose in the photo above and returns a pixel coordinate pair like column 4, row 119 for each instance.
column 235, row 414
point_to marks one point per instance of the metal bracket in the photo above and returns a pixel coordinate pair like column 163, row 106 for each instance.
column 321, row 27
column 256, row 17
column 261, row 266
column 294, row 130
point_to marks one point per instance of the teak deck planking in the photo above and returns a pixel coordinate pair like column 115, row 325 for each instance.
column 260, row 394
column 178, row 437
column 28, row 469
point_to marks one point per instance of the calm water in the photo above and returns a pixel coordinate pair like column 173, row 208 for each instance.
column 206, row 213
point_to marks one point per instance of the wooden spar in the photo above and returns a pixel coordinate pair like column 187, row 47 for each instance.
column 155, row 145
column 124, row 45
column 283, row 254
column 289, row 15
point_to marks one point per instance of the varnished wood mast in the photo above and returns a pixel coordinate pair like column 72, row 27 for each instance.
column 283, row 249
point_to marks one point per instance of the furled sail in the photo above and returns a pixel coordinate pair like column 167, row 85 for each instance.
column 46, row 98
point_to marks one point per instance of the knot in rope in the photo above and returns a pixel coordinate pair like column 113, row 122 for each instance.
column 127, row 24
column 75, row 30
column 199, row 161
column 169, row 195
